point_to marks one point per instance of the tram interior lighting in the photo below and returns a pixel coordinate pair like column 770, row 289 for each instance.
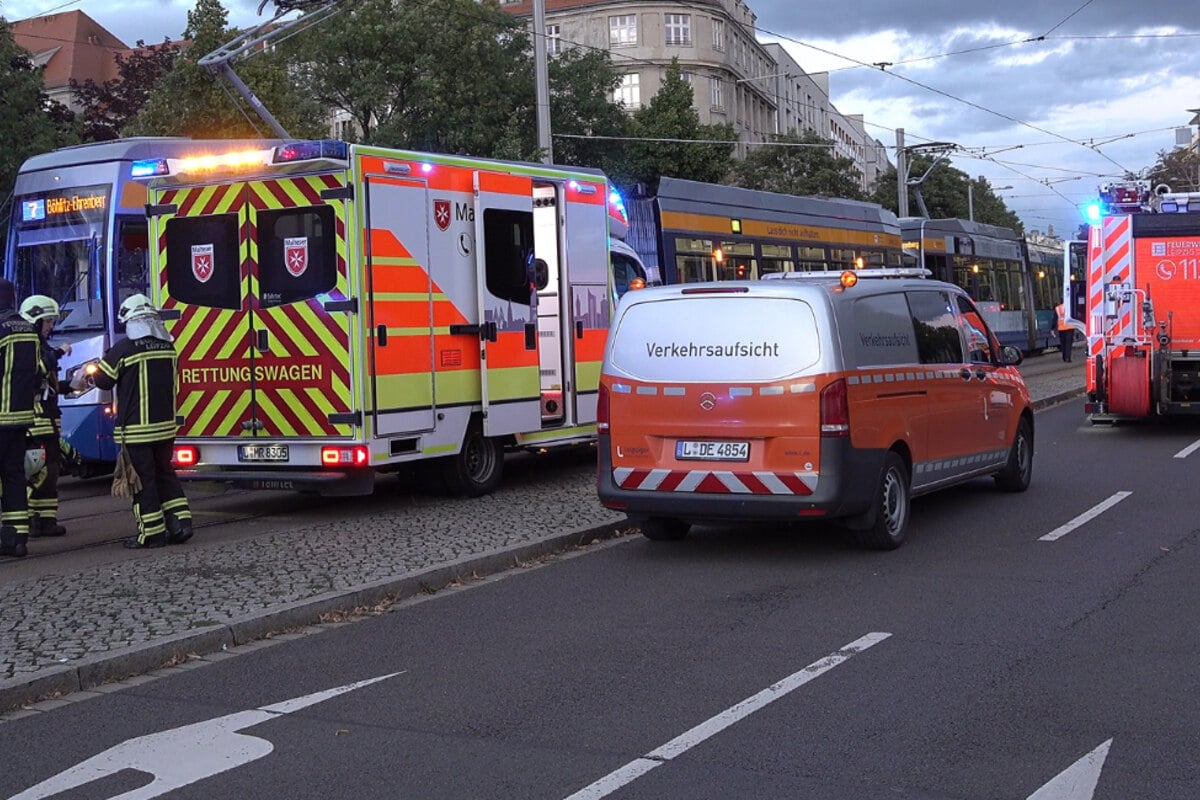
column 718, row 255
column 975, row 268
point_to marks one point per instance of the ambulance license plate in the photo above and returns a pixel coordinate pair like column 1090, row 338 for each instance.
column 262, row 452
column 712, row 451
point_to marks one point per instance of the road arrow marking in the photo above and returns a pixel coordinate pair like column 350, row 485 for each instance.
column 1078, row 781
column 187, row 754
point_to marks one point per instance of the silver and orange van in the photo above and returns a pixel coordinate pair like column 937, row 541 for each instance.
column 814, row 396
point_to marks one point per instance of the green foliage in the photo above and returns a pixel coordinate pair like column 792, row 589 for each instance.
column 1178, row 168
column 581, row 85
column 803, row 165
column 671, row 119
column 109, row 106
column 189, row 101
column 30, row 123
column 945, row 192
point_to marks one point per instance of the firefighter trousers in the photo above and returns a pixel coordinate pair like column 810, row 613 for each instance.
column 43, row 492
column 160, row 505
column 14, row 506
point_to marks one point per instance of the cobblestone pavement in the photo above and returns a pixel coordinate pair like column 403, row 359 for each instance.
column 128, row 617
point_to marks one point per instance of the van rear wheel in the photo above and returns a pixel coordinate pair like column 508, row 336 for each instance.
column 889, row 524
column 477, row 468
column 664, row 529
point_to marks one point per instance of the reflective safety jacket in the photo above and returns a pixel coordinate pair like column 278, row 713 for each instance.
column 20, row 370
column 143, row 371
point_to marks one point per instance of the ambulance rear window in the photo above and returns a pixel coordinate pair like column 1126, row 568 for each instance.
column 204, row 267
column 720, row 337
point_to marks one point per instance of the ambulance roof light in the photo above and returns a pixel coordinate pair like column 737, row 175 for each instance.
column 1093, row 212
column 149, row 168
column 308, row 151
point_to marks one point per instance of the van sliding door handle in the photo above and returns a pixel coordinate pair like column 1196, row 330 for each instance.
column 263, row 337
column 381, row 335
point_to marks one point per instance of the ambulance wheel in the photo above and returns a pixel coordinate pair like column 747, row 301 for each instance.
column 1018, row 471
column 477, row 468
column 664, row 529
column 885, row 525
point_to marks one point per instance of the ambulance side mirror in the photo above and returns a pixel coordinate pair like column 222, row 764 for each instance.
column 539, row 274
column 1010, row 356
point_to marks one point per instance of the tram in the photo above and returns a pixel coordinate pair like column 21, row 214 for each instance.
column 691, row 231
column 1015, row 283
column 78, row 233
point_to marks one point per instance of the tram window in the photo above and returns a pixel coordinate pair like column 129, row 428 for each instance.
column 770, row 265
column 873, row 258
column 737, row 268
column 133, row 258
column 203, row 265
column 694, row 269
column 298, row 255
column 811, row 258
column 938, row 338
column 842, row 259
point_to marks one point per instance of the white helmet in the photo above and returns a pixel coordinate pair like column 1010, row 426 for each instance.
column 137, row 305
column 39, row 307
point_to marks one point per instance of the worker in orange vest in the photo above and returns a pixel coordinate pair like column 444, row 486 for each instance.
column 1066, row 334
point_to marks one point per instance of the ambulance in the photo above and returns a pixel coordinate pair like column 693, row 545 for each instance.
column 341, row 310
column 815, row 396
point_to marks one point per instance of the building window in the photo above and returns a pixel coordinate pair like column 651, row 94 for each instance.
column 678, row 28
column 628, row 93
column 553, row 39
column 718, row 26
column 622, row 31
column 716, row 93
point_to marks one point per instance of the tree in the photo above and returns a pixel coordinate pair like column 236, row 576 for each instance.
column 31, row 123
column 1178, row 168
column 674, row 142
column 109, row 106
column 581, row 85
column 945, row 192
column 189, row 101
column 801, row 165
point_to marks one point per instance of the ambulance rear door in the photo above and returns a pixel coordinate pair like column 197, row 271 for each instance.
column 508, row 324
column 254, row 287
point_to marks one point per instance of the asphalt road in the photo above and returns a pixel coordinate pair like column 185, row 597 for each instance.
column 1012, row 639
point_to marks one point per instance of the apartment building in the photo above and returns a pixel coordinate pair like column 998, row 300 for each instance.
column 755, row 86
column 69, row 45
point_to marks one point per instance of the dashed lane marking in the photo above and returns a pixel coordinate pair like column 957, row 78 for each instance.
column 1090, row 514
column 1187, row 451
column 711, row 727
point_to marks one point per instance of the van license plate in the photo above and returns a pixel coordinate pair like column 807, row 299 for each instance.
column 713, row 451
column 263, row 452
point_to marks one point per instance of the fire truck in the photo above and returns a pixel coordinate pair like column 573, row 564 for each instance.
column 1142, row 303
column 341, row 310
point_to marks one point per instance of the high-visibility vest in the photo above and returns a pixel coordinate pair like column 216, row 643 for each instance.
column 1061, row 310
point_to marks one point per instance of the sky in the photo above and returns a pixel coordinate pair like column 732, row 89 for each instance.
column 1049, row 98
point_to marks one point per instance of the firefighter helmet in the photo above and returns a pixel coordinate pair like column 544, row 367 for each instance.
column 39, row 307
column 134, row 306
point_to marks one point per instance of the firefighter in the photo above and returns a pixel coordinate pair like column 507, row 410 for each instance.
column 1066, row 334
column 142, row 367
column 42, row 312
column 20, row 373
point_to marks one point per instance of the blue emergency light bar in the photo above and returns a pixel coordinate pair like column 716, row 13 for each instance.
column 307, row 151
column 149, row 167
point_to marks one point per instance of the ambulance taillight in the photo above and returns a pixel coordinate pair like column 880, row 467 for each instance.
column 835, row 409
column 602, row 409
column 350, row 456
column 185, row 455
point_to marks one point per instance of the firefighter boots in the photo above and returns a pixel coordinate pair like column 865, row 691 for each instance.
column 178, row 531
column 45, row 526
column 132, row 543
column 11, row 543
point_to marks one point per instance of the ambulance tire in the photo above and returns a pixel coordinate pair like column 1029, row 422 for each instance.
column 664, row 529
column 477, row 468
column 885, row 525
column 1018, row 472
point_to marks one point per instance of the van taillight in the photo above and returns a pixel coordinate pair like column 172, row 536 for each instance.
column 835, row 409
column 602, row 409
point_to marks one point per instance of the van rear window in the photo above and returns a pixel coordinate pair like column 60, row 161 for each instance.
column 717, row 337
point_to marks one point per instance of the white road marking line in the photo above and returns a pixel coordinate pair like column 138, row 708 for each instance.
column 1187, row 451
column 1078, row 781
column 711, row 727
column 1091, row 513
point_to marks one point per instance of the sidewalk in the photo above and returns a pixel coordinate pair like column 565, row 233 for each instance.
column 129, row 617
